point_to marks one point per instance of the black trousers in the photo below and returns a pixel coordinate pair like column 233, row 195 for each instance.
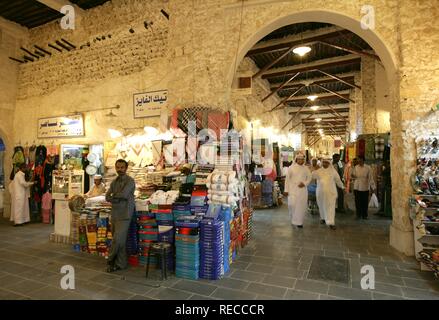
column 340, row 200
column 361, row 203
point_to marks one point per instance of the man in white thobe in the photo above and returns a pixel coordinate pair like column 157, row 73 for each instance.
column 326, row 193
column 20, row 192
column 296, row 188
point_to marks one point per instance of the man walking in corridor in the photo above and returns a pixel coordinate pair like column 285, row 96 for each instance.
column 326, row 194
column 296, row 188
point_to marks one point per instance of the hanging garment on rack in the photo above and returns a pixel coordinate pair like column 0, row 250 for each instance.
column 361, row 150
column 48, row 167
column 53, row 150
column 379, row 148
column 17, row 159
column 219, row 123
column 40, row 155
column 32, row 150
column 369, row 152
column 46, row 207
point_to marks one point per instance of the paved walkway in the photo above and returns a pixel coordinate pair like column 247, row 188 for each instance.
column 277, row 264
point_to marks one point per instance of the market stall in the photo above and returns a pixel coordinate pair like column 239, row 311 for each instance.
column 191, row 192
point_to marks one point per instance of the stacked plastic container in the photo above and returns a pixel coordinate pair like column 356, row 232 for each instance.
column 211, row 249
column 187, row 247
column 147, row 234
column 226, row 217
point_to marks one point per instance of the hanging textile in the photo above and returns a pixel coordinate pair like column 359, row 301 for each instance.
column 369, row 150
column 379, row 148
column 361, row 147
column 218, row 121
column 17, row 159
column 40, row 155
column 46, row 207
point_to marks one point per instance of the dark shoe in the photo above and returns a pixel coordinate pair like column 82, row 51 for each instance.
column 300, row 227
column 332, row 227
column 322, row 221
column 111, row 269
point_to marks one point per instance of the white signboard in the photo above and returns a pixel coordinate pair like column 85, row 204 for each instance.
column 56, row 127
column 149, row 104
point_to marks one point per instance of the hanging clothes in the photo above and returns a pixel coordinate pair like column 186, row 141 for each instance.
column 40, row 155
column 48, row 167
column 17, row 159
column 361, row 150
column 46, row 206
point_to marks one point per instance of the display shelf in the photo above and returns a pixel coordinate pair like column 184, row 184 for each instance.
column 430, row 222
column 430, row 262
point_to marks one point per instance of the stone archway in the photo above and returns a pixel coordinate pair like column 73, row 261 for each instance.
column 401, row 234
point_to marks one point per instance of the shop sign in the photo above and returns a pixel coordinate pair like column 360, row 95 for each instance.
column 149, row 104
column 57, row 127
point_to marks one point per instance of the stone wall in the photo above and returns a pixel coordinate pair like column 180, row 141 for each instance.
column 121, row 53
column 250, row 106
column 368, row 91
column 12, row 36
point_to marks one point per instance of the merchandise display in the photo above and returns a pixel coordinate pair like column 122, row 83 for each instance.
column 424, row 205
column 201, row 211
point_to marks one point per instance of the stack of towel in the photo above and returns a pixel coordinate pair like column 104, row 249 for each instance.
column 162, row 197
column 223, row 187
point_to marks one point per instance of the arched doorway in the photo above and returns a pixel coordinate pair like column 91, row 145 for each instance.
column 401, row 236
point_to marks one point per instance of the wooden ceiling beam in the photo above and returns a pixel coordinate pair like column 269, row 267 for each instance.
column 335, row 93
column 312, row 66
column 322, row 111
column 321, row 96
column 295, row 40
column 323, row 80
column 281, row 86
column 350, row 50
column 58, row 4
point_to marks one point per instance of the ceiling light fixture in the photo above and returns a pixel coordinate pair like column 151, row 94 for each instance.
column 302, row 50
column 318, row 119
column 312, row 98
column 315, row 108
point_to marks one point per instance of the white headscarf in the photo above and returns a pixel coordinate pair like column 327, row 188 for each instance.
column 299, row 156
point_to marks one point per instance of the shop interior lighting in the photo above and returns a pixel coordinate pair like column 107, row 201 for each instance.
column 315, row 108
column 312, row 98
column 318, row 119
column 114, row 133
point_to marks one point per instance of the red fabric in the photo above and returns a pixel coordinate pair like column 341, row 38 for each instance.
column 337, row 143
column 361, row 147
column 217, row 121
column 46, row 215
column 46, row 202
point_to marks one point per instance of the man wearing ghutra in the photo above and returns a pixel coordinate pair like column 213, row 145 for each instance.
column 326, row 193
column 297, row 180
